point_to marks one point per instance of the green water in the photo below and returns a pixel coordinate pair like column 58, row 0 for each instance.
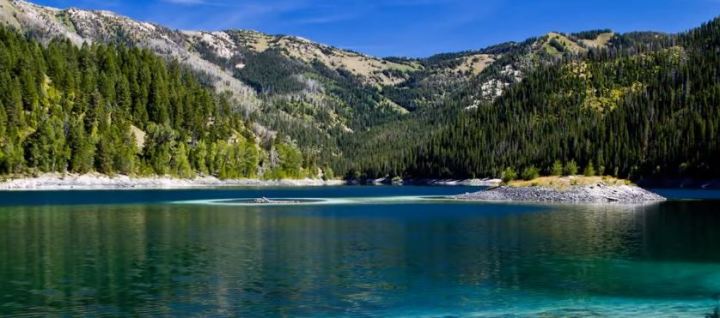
column 366, row 252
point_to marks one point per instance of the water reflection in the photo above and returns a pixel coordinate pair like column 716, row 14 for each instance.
column 356, row 260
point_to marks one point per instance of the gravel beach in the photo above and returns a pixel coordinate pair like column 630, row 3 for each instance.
column 598, row 193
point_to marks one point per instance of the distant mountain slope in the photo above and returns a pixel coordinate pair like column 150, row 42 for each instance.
column 490, row 71
column 645, row 106
column 235, row 45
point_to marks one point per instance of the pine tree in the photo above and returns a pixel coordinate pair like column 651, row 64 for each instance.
column 198, row 157
column 589, row 170
column 125, row 154
column 82, row 149
column 180, row 162
column 46, row 148
column 557, row 169
column 3, row 122
column 571, row 168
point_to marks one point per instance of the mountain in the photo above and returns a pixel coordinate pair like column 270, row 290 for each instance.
column 646, row 106
column 219, row 54
column 80, row 26
column 307, row 91
column 114, row 109
column 440, row 96
column 294, row 68
column 444, row 114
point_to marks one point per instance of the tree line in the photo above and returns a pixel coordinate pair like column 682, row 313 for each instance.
column 633, row 111
column 114, row 109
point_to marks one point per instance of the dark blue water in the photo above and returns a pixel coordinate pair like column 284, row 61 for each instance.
column 365, row 252
column 689, row 194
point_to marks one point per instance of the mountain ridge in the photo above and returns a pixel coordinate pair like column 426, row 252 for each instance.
column 336, row 105
column 329, row 81
column 81, row 25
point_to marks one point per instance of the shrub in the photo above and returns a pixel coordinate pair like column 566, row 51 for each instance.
column 530, row 173
column 328, row 174
column 589, row 170
column 571, row 168
column 557, row 169
column 509, row 174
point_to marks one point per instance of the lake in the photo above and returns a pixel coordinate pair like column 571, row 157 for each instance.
column 353, row 252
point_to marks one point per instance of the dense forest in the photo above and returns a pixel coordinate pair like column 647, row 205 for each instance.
column 119, row 110
column 640, row 105
column 634, row 111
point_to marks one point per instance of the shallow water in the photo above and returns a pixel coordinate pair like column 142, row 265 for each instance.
column 360, row 251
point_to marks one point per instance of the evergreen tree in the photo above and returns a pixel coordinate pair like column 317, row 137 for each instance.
column 114, row 109
column 589, row 170
column 571, row 168
column 82, row 149
column 557, row 169
column 180, row 163
column 46, row 148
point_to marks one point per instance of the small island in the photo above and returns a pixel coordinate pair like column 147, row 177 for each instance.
column 569, row 189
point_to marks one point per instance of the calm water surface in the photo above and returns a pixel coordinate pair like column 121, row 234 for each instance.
column 365, row 252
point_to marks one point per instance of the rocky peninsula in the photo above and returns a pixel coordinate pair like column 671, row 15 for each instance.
column 567, row 190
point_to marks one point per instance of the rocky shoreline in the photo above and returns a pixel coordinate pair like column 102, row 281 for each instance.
column 597, row 193
column 52, row 181
column 431, row 182
column 96, row 181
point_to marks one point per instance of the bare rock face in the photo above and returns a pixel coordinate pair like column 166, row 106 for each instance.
column 599, row 193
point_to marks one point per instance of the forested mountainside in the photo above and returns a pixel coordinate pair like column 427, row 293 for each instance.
column 282, row 84
column 114, row 109
column 323, row 98
column 283, row 106
column 647, row 109
column 374, row 157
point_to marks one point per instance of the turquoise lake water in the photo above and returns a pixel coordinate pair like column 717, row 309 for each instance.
column 353, row 252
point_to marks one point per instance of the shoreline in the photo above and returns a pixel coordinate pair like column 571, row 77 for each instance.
column 431, row 182
column 96, row 181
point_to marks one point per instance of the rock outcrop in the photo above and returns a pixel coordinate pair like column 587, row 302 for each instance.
column 598, row 193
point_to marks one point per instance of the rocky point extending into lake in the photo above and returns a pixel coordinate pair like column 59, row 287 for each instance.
column 567, row 190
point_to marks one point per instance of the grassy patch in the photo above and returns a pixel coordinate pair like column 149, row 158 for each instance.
column 567, row 182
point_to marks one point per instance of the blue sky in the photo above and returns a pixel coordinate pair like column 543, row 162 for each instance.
column 412, row 27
